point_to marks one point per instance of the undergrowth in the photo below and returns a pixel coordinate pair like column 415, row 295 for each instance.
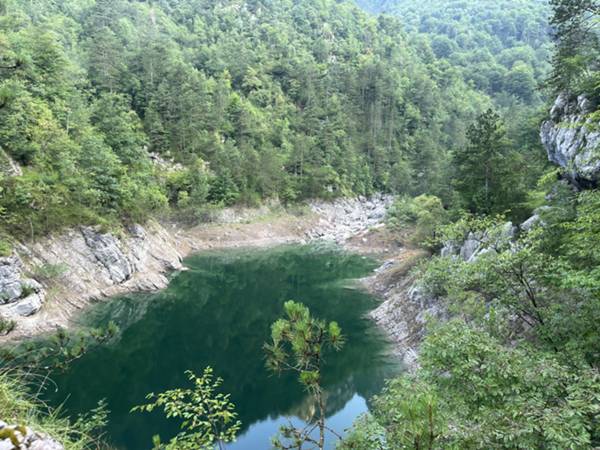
column 22, row 407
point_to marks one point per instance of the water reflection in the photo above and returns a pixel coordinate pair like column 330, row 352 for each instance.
column 219, row 313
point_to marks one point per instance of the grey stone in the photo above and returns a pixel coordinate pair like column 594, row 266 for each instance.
column 572, row 140
column 471, row 246
column 105, row 248
column 45, row 444
column 8, row 166
column 31, row 284
column 345, row 218
column 10, row 279
column 137, row 231
column 530, row 223
column 449, row 249
column 24, row 307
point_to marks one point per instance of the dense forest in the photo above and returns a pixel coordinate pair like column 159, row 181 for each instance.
column 117, row 111
column 514, row 362
column 501, row 48
column 121, row 110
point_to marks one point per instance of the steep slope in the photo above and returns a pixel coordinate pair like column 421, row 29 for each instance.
column 123, row 109
column 502, row 47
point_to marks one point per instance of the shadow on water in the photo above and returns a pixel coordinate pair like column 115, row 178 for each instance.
column 219, row 313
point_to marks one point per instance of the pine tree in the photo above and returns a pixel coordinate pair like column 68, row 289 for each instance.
column 487, row 170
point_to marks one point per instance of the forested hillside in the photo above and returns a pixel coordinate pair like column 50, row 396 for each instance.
column 122, row 109
column 117, row 111
column 511, row 352
column 501, row 47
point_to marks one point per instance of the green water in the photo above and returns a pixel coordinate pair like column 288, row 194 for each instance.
column 219, row 313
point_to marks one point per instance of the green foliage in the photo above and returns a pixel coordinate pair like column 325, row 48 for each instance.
column 501, row 47
column 489, row 174
column 56, row 352
column 298, row 344
column 474, row 392
column 207, row 416
column 575, row 61
column 425, row 213
column 20, row 407
column 509, row 397
column 316, row 99
column 6, row 326
column 49, row 272
column 415, row 420
column 5, row 248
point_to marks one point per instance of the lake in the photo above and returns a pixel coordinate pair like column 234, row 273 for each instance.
column 218, row 313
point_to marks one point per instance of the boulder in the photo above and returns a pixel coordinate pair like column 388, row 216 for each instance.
column 572, row 140
column 24, row 307
column 10, row 279
column 479, row 243
column 531, row 223
column 19, row 296
column 471, row 246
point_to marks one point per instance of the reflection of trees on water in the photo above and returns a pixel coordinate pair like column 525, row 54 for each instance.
column 337, row 395
column 219, row 314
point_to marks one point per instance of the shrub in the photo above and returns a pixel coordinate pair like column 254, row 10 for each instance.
column 18, row 406
column 48, row 272
column 6, row 326
column 5, row 248
column 425, row 213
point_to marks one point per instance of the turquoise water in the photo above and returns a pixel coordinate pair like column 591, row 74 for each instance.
column 219, row 313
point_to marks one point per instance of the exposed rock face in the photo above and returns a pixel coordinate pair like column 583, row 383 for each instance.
column 19, row 296
column 479, row 243
column 572, row 140
column 8, row 166
column 107, row 251
column 96, row 265
column 26, row 438
column 10, row 279
column 404, row 314
column 345, row 218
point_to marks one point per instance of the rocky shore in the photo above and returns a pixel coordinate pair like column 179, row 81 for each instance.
column 44, row 284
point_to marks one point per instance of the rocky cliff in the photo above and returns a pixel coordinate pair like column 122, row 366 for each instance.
column 572, row 139
column 66, row 272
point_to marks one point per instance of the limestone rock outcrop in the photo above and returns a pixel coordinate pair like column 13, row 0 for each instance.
column 19, row 295
column 478, row 243
column 572, row 139
column 95, row 265
column 344, row 218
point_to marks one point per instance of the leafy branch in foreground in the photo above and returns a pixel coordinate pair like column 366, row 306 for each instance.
column 298, row 344
column 208, row 417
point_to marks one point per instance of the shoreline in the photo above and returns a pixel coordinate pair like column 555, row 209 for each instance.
column 100, row 266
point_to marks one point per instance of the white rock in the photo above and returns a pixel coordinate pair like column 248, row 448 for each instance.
column 572, row 141
column 24, row 307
